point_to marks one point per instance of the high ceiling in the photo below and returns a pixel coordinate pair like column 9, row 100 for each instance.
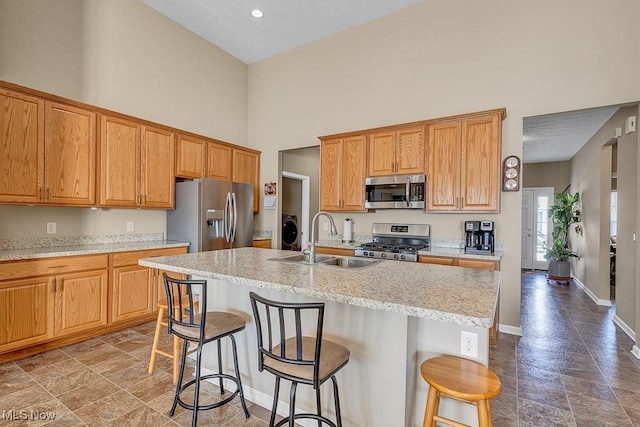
column 286, row 24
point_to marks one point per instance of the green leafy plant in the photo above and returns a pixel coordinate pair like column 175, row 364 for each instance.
column 564, row 212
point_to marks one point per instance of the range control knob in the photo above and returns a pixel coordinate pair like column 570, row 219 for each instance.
column 370, row 254
column 383, row 255
column 395, row 256
column 365, row 253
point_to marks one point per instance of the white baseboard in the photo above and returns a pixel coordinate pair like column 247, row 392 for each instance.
column 625, row 328
column 636, row 352
column 594, row 297
column 511, row 330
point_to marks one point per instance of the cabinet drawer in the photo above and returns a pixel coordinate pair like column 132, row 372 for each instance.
column 335, row 251
column 478, row 263
column 436, row 260
column 12, row 270
column 266, row 244
column 131, row 258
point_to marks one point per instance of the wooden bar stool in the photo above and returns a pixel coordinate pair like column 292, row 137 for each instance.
column 175, row 353
column 460, row 379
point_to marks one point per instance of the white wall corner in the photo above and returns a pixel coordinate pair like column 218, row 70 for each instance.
column 511, row 330
column 635, row 351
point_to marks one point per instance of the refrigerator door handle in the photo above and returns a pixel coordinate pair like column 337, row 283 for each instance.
column 235, row 216
column 227, row 219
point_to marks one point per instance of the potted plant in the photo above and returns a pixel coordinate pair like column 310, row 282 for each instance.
column 564, row 212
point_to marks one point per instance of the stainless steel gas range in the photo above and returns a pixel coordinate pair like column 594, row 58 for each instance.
column 399, row 242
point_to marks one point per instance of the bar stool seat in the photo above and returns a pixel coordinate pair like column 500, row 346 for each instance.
column 155, row 347
column 461, row 379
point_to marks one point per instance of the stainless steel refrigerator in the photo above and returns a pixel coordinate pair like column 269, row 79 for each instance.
column 212, row 214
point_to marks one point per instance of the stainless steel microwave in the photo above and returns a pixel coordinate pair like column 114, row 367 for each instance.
column 395, row 192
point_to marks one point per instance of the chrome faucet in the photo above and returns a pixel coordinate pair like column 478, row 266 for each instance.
column 312, row 245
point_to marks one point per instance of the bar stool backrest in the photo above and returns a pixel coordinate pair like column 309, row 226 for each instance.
column 180, row 293
column 284, row 329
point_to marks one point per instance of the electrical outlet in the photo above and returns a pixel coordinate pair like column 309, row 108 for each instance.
column 130, row 226
column 468, row 344
column 51, row 228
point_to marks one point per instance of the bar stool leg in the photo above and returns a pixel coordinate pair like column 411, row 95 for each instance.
column 220, row 367
column 156, row 339
column 275, row 402
column 318, row 405
column 336, row 399
column 176, row 358
column 235, row 366
column 484, row 414
column 292, row 403
column 433, row 401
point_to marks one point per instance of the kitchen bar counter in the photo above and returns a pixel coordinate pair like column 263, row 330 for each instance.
column 392, row 316
column 451, row 294
column 85, row 249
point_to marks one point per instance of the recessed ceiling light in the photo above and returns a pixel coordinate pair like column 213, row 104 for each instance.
column 257, row 13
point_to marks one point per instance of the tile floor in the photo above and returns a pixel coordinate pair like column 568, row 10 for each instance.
column 572, row 367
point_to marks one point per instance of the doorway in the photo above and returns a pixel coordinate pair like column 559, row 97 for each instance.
column 295, row 205
column 536, row 227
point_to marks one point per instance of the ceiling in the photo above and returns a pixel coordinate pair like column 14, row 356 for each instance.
column 558, row 137
column 286, row 24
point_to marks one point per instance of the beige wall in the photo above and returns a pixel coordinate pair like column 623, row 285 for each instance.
column 440, row 58
column 591, row 177
column 121, row 55
column 550, row 174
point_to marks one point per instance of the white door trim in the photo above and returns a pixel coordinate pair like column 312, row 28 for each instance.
column 304, row 221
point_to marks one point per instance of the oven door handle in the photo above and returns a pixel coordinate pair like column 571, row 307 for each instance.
column 407, row 190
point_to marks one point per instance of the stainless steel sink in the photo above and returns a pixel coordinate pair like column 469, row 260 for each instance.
column 329, row 261
column 350, row 262
column 301, row 258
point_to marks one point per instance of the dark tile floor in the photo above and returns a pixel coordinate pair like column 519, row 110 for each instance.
column 572, row 367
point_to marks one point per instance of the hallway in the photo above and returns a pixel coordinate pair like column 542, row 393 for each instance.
column 571, row 367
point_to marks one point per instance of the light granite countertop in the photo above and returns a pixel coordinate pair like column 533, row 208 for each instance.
column 85, row 249
column 466, row 296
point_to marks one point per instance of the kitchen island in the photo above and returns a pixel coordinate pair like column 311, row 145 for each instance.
column 391, row 315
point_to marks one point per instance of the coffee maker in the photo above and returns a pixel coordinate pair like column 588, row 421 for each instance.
column 479, row 237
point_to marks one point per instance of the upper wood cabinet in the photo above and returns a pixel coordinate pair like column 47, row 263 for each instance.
column 190, row 157
column 69, row 155
column 219, row 161
column 464, row 164
column 246, row 169
column 47, row 151
column 397, row 152
column 342, row 173
column 21, row 147
column 136, row 164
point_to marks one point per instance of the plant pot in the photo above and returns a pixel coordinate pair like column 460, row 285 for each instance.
column 559, row 270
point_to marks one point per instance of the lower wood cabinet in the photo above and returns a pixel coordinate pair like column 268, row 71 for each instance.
column 265, row 244
column 335, row 251
column 51, row 298
column 137, row 289
column 56, row 301
column 485, row 264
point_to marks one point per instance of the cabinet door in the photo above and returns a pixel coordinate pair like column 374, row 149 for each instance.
column 133, row 292
column 190, row 157
column 331, row 175
column 481, row 149
column 444, row 166
column 161, row 293
column 410, row 154
column 354, row 173
column 157, row 173
column 26, row 312
column 119, row 160
column 219, row 161
column 70, row 155
column 246, row 169
column 382, row 154
column 81, row 301
column 21, row 147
